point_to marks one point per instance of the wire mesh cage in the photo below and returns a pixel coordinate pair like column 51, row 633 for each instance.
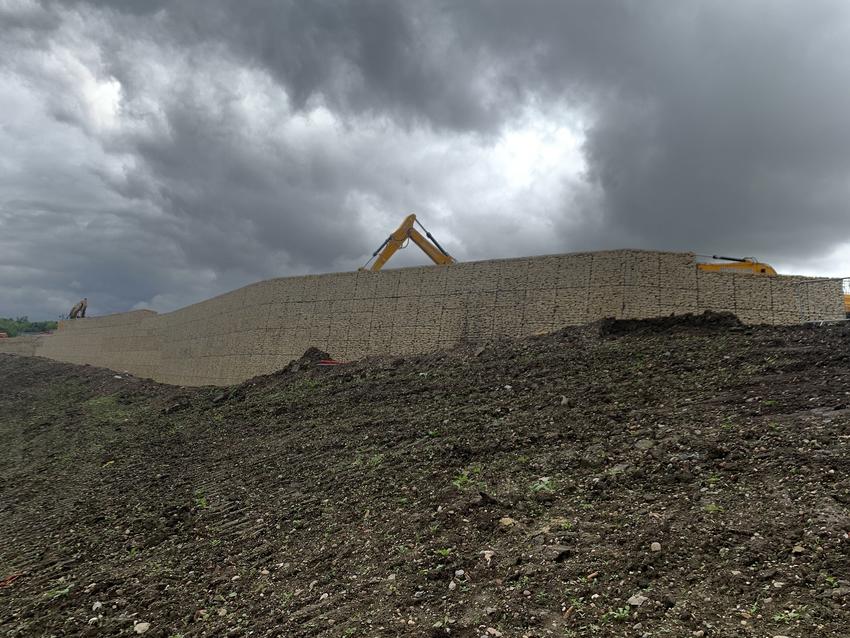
column 821, row 300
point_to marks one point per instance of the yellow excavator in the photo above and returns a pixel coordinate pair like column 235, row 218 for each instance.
column 751, row 266
column 404, row 233
column 739, row 264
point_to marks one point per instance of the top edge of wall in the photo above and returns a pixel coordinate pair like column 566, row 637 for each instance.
column 691, row 256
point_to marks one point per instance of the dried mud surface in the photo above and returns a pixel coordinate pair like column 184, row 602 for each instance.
column 682, row 477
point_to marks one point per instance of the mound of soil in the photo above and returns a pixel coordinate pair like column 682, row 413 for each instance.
column 683, row 477
column 707, row 320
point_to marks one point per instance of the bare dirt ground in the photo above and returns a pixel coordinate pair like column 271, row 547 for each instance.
column 683, row 477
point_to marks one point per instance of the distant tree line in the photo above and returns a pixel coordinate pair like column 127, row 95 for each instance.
column 22, row 325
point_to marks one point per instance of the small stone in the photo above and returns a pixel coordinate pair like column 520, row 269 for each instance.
column 699, row 633
column 452, row 586
column 489, row 611
column 798, row 549
column 235, row 578
column 391, row 577
column 526, row 592
column 655, row 547
column 93, row 621
column 645, row 444
column 141, row 627
column 222, row 611
column 558, row 553
column 507, row 521
column 459, row 573
column 97, row 605
column 324, row 596
column 492, row 631
column 265, row 572
column 637, row 600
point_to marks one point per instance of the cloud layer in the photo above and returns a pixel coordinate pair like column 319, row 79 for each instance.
column 154, row 154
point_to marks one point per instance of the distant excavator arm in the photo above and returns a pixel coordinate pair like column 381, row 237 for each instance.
column 745, row 264
column 406, row 231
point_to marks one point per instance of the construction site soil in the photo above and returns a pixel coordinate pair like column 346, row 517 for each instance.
column 673, row 477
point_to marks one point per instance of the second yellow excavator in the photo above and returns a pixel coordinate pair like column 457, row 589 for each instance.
column 401, row 235
column 739, row 264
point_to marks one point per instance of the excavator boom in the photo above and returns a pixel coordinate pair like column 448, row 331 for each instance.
column 406, row 232
column 745, row 264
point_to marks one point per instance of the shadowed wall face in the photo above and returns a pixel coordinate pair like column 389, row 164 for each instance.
column 259, row 328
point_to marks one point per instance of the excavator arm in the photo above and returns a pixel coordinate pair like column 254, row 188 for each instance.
column 745, row 264
column 406, row 232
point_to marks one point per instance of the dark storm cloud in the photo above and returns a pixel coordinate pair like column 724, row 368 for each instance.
column 158, row 153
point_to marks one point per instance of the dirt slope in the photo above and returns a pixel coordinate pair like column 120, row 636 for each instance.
column 667, row 478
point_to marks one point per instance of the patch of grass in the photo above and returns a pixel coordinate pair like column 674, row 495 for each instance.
column 713, row 508
column 106, row 409
column 375, row 460
column 543, row 484
column 445, row 552
column 201, row 501
column 790, row 615
column 52, row 594
column 621, row 614
column 464, row 478
column 562, row 524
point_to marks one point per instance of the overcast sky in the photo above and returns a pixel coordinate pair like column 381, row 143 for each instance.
column 153, row 154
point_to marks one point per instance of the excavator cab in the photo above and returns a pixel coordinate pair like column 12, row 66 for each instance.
column 407, row 232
